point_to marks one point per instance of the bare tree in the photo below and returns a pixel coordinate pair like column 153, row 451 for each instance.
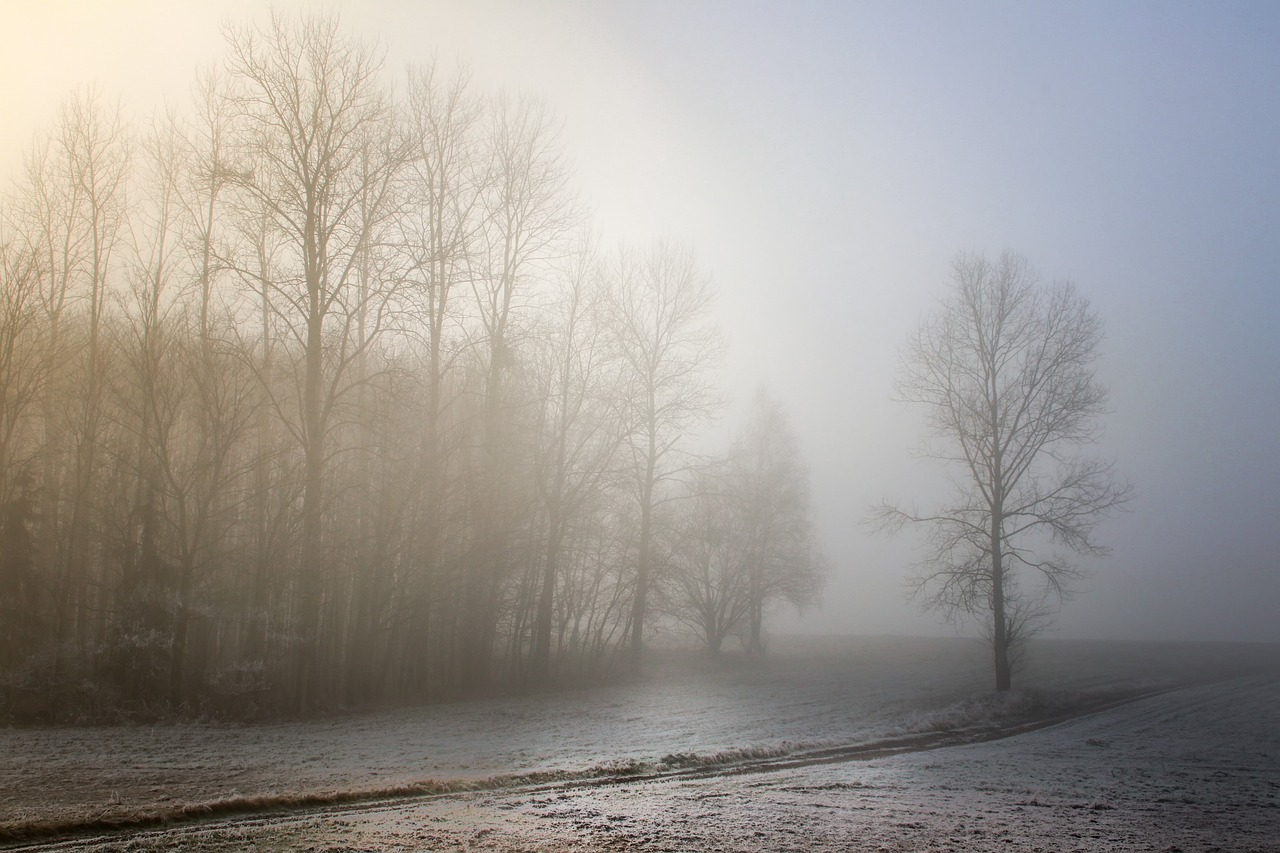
column 1004, row 368
column 89, row 168
column 706, row 587
column 144, row 384
column 197, row 463
column 22, row 372
column 70, row 212
column 446, row 178
column 658, row 312
column 320, row 152
column 770, row 484
column 579, row 432
column 744, row 538
column 528, row 210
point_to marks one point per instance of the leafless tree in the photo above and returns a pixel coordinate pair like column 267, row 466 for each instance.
column 528, row 211
column 770, row 485
column 579, row 432
column 319, row 153
column 446, row 177
column 1004, row 368
column 658, row 312
column 744, row 537
column 144, row 343
column 22, row 374
column 81, row 183
column 707, row 581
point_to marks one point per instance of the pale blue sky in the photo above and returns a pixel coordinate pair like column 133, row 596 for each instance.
column 827, row 160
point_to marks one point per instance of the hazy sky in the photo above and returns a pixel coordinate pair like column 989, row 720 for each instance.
column 827, row 160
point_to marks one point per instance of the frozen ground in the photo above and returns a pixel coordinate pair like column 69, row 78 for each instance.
column 1194, row 769
column 1201, row 765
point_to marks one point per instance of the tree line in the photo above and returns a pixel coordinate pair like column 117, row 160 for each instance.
column 319, row 392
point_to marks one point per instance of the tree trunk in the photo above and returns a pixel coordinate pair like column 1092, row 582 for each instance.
column 640, row 601
column 540, row 658
column 311, row 593
column 756, row 618
column 999, row 626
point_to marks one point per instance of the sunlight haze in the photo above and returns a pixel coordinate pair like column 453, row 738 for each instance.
column 826, row 162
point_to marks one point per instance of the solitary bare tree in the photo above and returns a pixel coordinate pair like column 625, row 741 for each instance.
column 1004, row 367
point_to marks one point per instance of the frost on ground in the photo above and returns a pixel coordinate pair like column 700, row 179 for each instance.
column 1187, row 770
column 1206, row 757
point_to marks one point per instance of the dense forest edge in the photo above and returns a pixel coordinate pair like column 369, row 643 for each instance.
column 318, row 392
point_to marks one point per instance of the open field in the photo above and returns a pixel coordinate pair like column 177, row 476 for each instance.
column 640, row 764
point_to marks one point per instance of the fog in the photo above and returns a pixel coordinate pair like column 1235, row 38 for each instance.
column 826, row 162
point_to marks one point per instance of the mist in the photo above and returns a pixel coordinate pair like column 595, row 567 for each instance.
column 807, row 173
column 639, row 426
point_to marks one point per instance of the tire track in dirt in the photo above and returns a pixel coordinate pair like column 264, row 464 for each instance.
column 248, row 813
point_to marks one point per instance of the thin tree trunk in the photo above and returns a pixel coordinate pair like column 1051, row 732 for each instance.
column 999, row 627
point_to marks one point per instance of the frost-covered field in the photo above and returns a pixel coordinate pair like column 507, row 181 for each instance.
column 1192, row 770
column 1205, row 757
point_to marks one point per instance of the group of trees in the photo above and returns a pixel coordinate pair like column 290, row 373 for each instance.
column 314, row 395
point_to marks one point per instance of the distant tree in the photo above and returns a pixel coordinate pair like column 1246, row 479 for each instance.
column 88, row 173
column 1004, row 367
column 744, row 537
column 145, row 386
column 706, row 583
column 770, row 485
